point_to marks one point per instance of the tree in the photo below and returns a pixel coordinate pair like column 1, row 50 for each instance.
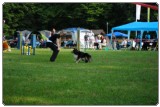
column 45, row 16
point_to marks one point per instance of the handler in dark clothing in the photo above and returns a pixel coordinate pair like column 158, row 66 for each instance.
column 54, row 43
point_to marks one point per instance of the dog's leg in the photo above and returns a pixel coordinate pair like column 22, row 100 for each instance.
column 78, row 59
column 75, row 57
column 86, row 59
column 90, row 59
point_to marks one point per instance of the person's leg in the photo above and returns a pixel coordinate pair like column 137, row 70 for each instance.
column 54, row 55
column 55, row 51
column 97, row 45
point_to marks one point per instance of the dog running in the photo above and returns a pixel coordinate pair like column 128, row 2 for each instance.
column 78, row 55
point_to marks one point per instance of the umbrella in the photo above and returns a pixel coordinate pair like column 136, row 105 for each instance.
column 117, row 34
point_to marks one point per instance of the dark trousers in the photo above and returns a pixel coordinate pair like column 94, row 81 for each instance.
column 55, row 50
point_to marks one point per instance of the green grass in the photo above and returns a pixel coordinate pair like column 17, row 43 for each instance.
column 112, row 78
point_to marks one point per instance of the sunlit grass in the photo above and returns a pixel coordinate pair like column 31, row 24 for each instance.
column 112, row 78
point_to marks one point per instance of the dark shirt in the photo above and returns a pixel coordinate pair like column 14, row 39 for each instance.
column 54, row 37
column 86, row 37
column 148, row 36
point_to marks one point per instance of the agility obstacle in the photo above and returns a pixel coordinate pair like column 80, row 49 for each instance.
column 27, row 48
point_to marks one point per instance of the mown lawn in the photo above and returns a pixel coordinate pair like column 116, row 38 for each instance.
column 112, row 78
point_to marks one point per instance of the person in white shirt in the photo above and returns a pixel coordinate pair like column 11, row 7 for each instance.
column 124, row 43
column 103, row 42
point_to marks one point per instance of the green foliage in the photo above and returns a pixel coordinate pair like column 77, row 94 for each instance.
column 41, row 16
column 112, row 78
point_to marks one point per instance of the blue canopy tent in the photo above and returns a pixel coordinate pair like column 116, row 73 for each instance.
column 137, row 26
column 117, row 34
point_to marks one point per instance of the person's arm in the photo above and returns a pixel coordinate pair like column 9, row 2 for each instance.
column 58, row 43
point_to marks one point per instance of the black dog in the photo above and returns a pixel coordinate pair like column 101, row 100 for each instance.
column 81, row 56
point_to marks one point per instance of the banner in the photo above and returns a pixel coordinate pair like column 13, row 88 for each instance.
column 138, row 12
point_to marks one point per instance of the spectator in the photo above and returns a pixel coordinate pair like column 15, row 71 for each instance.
column 70, row 43
column 91, row 40
column 86, row 36
column 4, row 38
column 124, row 43
column 96, row 45
column 147, row 36
column 103, row 42
column 114, row 42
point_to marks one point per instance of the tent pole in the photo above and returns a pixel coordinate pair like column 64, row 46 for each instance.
column 78, row 39
column 111, row 36
column 141, row 35
column 148, row 14
column 21, row 43
column 157, row 34
column 129, row 32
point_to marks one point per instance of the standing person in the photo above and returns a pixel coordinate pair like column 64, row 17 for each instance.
column 54, row 44
column 148, row 36
column 86, row 40
column 114, row 42
column 137, row 40
column 96, row 45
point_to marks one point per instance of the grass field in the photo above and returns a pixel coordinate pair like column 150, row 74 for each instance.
column 112, row 78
